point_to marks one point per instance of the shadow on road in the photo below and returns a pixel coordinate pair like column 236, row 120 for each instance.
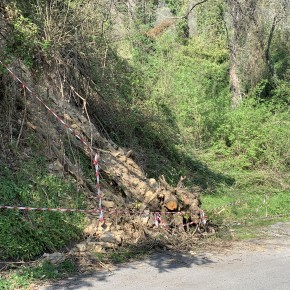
column 164, row 262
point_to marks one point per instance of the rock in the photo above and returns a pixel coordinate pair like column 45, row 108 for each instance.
column 132, row 163
column 149, row 195
column 123, row 158
column 141, row 187
column 142, row 219
column 82, row 247
column 106, row 245
column 55, row 166
column 116, row 154
column 98, row 249
column 153, row 183
column 94, row 247
column 108, row 204
column 125, row 170
column 67, row 118
column 73, row 251
column 54, row 258
column 134, row 181
column 114, row 238
column 104, row 227
column 33, row 287
column 91, row 229
column 82, row 119
column 33, row 127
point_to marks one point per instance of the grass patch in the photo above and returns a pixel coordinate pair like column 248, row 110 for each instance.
column 232, row 206
column 25, row 235
column 255, row 228
column 243, row 206
column 23, row 277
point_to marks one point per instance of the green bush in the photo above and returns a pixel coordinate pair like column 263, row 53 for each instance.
column 256, row 135
column 25, row 41
column 25, row 235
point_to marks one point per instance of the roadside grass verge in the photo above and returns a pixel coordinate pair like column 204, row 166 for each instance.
column 252, row 229
column 257, row 198
column 25, row 276
column 26, row 235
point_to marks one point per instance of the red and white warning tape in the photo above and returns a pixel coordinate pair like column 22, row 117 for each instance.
column 25, row 208
column 203, row 217
column 96, row 164
column 125, row 212
column 157, row 219
column 69, row 128
column 35, row 95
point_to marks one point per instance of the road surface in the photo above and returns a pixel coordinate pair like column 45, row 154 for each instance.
column 263, row 264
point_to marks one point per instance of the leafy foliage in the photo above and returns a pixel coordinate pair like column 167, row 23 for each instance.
column 256, row 136
column 23, row 277
column 25, row 41
column 28, row 234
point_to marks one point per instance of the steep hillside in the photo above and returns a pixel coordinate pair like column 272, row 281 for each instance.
column 49, row 141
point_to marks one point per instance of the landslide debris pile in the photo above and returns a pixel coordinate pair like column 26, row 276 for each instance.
column 134, row 205
column 130, row 200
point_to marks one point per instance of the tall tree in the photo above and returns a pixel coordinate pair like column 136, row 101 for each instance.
column 251, row 27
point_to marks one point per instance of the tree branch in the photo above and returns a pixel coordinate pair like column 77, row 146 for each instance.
column 267, row 51
column 193, row 6
column 190, row 10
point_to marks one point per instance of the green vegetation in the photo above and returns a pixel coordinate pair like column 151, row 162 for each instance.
column 231, row 153
column 25, row 235
column 25, row 276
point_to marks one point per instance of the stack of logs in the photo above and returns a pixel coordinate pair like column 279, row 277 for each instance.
column 177, row 206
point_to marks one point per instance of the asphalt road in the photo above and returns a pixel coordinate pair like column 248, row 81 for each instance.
column 262, row 264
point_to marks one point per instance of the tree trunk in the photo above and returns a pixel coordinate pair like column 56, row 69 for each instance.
column 234, row 28
column 234, row 79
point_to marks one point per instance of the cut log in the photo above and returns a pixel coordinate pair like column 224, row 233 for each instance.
column 170, row 200
column 187, row 200
column 151, row 201
column 108, row 204
column 153, row 183
column 141, row 188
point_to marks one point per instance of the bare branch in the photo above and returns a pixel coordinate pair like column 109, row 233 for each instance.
column 267, row 51
column 190, row 10
column 193, row 6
